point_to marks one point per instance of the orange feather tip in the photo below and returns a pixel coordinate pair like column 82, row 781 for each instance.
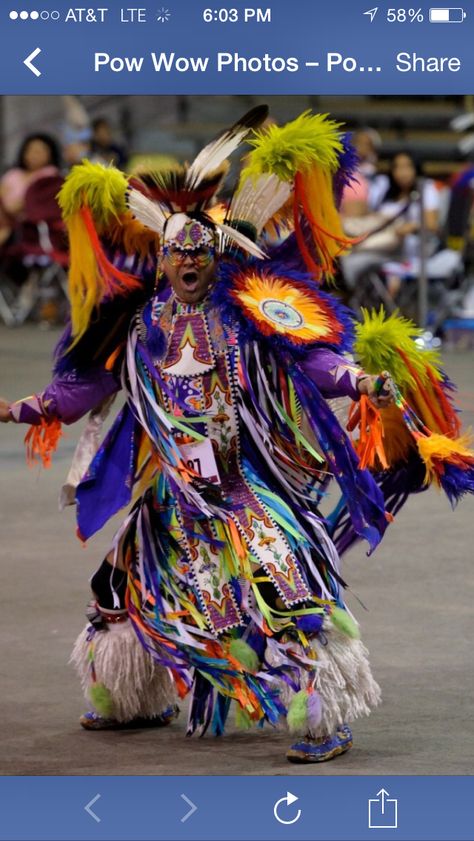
column 42, row 441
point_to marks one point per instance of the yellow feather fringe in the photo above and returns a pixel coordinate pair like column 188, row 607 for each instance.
column 86, row 285
column 306, row 151
column 323, row 217
column 440, row 448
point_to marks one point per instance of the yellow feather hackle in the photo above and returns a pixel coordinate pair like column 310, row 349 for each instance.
column 379, row 340
column 285, row 150
column 389, row 344
column 305, row 152
column 101, row 188
column 92, row 200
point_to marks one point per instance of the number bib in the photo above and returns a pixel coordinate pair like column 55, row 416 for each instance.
column 200, row 458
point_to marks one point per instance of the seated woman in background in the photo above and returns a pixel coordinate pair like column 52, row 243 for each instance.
column 408, row 189
column 38, row 157
column 391, row 224
column 404, row 176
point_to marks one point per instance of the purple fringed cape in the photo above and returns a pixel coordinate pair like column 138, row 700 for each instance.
column 317, row 374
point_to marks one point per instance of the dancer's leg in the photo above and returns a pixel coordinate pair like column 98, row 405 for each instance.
column 119, row 677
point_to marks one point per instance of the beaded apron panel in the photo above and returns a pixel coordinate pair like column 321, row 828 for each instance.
column 199, row 370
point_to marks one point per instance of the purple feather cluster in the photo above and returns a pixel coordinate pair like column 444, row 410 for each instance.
column 348, row 163
column 456, row 482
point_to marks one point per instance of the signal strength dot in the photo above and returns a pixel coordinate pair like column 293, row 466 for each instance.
column 24, row 15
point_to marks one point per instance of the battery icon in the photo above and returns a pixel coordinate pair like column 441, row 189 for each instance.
column 455, row 15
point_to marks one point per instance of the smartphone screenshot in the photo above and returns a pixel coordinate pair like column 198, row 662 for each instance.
column 236, row 401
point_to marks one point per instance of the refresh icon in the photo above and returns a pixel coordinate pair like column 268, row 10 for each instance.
column 288, row 801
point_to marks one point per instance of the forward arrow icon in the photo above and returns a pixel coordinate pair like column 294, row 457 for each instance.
column 192, row 808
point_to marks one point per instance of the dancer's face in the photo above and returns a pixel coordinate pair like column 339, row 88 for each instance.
column 188, row 262
column 190, row 273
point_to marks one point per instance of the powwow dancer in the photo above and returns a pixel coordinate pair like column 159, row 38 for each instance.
column 224, row 580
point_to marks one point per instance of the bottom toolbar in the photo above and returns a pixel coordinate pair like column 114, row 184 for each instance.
column 236, row 808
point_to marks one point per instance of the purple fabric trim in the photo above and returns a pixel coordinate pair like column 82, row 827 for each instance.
column 107, row 485
column 26, row 411
column 362, row 496
column 66, row 398
column 320, row 366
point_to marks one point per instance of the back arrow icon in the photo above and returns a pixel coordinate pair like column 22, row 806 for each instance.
column 193, row 808
column 29, row 61
column 89, row 810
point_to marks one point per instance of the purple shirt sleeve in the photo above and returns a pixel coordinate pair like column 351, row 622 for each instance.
column 334, row 375
column 67, row 398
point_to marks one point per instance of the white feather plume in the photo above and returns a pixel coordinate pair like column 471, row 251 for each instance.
column 241, row 240
column 256, row 201
column 218, row 150
column 148, row 212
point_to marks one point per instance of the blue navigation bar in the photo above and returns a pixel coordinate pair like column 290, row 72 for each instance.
column 301, row 808
column 236, row 47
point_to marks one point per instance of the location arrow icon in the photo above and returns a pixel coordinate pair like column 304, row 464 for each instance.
column 192, row 808
column 29, row 61
column 371, row 13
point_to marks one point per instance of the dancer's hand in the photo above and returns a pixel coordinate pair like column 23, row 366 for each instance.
column 380, row 399
column 5, row 416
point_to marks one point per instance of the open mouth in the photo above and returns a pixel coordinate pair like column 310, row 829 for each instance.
column 190, row 280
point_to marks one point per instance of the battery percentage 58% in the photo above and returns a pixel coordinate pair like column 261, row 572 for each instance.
column 405, row 16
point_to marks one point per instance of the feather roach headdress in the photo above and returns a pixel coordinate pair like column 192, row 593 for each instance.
column 194, row 188
column 101, row 205
column 289, row 175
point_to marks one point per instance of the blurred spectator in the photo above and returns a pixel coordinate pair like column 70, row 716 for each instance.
column 76, row 133
column 359, row 201
column 75, row 151
column 363, row 195
column 405, row 184
column 103, row 147
column 384, row 265
column 407, row 193
column 392, row 228
column 34, row 244
column 38, row 157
